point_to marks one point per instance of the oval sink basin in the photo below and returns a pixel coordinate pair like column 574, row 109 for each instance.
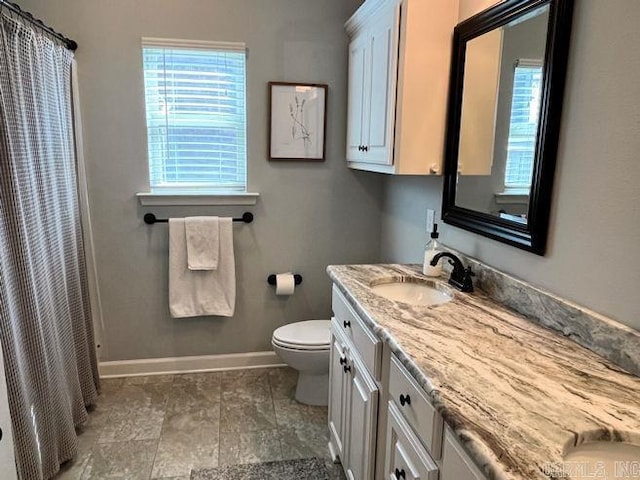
column 412, row 293
column 602, row 460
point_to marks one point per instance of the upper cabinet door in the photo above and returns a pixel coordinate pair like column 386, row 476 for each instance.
column 382, row 74
column 355, row 112
column 397, row 106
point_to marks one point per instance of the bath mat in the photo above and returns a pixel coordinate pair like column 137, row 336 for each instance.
column 303, row 468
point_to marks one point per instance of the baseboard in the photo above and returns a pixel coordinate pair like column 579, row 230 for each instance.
column 201, row 363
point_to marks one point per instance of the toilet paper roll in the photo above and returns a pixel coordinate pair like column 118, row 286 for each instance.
column 285, row 284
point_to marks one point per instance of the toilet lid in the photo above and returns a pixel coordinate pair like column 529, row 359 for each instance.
column 310, row 333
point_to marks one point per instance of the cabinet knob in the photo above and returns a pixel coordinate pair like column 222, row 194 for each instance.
column 346, row 323
column 346, row 368
column 343, row 360
column 400, row 474
column 365, row 148
column 405, row 400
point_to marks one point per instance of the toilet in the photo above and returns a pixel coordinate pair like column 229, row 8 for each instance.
column 304, row 346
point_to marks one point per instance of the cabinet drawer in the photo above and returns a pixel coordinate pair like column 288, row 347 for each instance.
column 368, row 346
column 405, row 458
column 412, row 401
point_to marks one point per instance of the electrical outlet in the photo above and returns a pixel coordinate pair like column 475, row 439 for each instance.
column 431, row 215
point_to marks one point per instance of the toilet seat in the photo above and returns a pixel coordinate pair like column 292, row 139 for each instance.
column 307, row 335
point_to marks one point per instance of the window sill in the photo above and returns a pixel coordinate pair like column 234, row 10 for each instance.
column 512, row 198
column 171, row 199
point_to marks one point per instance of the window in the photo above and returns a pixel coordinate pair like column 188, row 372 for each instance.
column 523, row 125
column 196, row 116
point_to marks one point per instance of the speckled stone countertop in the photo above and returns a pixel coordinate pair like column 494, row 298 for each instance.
column 517, row 395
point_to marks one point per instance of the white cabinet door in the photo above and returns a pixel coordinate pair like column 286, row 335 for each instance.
column 355, row 112
column 7, row 459
column 381, row 83
column 456, row 464
column 407, row 59
column 337, row 400
column 405, row 457
column 362, row 422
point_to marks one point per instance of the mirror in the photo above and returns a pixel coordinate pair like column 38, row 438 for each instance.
column 505, row 99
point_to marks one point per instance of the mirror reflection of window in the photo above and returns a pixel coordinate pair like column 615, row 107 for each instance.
column 523, row 126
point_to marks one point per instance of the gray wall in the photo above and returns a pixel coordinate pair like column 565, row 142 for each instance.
column 309, row 214
column 593, row 256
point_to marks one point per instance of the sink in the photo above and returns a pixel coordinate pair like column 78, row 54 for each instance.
column 413, row 293
column 608, row 460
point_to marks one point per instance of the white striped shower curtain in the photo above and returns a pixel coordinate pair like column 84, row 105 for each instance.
column 45, row 317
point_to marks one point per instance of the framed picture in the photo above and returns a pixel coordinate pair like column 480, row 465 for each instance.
column 297, row 121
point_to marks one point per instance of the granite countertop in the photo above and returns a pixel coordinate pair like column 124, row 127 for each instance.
column 517, row 395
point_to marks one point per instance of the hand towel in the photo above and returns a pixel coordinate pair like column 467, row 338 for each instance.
column 203, row 242
column 195, row 293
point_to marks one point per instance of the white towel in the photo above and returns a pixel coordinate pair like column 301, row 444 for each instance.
column 203, row 242
column 194, row 293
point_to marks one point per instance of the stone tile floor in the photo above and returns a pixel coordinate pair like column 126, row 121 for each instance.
column 161, row 427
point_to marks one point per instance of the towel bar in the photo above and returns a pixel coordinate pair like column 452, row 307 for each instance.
column 150, row 218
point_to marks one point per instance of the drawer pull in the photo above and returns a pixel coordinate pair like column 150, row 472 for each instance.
column 346, row 323
column 346, row 368
column 400, row 474
column 405, row 400
column 343, row 360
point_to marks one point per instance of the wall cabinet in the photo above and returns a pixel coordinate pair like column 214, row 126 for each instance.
column 382, row 424
column 399, row 56
column 372, row 80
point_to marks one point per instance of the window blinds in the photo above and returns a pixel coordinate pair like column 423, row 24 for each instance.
column 196, row 115
column 523, row 129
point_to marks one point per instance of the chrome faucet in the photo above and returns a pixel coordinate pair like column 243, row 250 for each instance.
column 460, row 276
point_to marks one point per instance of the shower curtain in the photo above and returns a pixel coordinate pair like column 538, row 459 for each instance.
column 45, row 318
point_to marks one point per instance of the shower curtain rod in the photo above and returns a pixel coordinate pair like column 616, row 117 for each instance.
column 70, row 44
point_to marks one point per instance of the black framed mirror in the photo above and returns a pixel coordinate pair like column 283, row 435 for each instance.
column 505, row 101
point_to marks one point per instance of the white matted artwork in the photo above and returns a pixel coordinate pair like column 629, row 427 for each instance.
column 297, row 121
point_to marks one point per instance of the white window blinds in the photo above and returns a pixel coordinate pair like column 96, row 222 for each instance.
column 523, row 127
column 196, row 115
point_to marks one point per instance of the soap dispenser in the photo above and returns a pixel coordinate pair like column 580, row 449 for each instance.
column 432, row 248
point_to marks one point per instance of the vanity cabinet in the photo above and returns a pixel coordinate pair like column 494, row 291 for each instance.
column 382, row 424
column 399, row 54
column 411, row 401
column 417, row 441
column 338, row 401
column 353, row 391
column 405, row 458
column 456, row 464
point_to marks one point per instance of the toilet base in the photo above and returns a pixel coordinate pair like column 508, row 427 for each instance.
column 313, row 389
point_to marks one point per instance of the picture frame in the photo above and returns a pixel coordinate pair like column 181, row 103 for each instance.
column 297, row 121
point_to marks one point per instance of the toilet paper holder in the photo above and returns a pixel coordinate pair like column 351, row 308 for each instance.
column 271, row 279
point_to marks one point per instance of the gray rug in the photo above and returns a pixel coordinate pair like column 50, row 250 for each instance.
column 304, row 468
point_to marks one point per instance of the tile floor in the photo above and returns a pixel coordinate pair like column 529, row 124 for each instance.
column 161, row 427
